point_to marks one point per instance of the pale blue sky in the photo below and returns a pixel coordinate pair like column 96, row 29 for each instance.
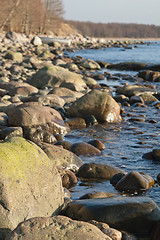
column 123, row 11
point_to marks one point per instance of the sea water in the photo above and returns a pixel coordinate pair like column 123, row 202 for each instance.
column 125, row 142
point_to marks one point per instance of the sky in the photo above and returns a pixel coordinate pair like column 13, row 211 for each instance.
column 122, row 11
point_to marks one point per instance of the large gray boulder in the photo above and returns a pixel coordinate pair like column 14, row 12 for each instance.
column 54, row 76
column 33, row 114
column 136, row 215
column 30, row 184
column 97, row 103
column 58, row 227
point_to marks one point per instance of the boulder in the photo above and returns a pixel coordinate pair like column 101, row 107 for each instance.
column 61, row 157
column 134, row 90
column 57, row 227
column 136, row 215
column 24, row 189
column 89, row 64
column 98, row 144
column 34, row 115
column 8, row 132
column 98, row 171
column 74, row 123
column 53, row 76
column 97, row 103
column 135, row 181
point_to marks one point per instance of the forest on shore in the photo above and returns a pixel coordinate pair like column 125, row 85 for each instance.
column 103, row 30
column 44, row 16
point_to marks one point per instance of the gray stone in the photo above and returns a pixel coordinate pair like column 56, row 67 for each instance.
column 136, row 215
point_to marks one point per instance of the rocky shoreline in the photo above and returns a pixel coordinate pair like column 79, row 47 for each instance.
column 45, row 95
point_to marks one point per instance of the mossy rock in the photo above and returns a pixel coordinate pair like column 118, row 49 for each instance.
column 25, row 171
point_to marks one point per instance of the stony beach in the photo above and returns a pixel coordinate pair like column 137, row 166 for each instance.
column 45, row 95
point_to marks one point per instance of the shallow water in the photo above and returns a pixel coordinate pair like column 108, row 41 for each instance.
column 125, row 142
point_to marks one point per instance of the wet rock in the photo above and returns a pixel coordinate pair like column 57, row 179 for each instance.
column 135, row 181
column 134, row 90
column 61, row 157
column 82, row 148
column 97, row 195
column 136, row 99
column 69, row 179
column 57, row 227
column 53, row 76
column 97, row 103
column 136, row 215
column 148, row 75
column 154, row 155
column 76, row 123
column 25, row 167
column 91, row 120
column 98, row 144
column 116, row 178
column 98, row 171
column 89, row 64
column 35, row 115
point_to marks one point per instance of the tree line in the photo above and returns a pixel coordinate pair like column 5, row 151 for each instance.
column 30, row 16
column 103, row 30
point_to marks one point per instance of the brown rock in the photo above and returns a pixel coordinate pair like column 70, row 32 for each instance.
column 58, row 227
column 82, row 148
column 99, row 171
column 155, row 234
column 34, row 115
column 98, row 144
column 61, row 157
column 97, row 195
column 76, row 123
column 69, row 179
column 135, row 181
